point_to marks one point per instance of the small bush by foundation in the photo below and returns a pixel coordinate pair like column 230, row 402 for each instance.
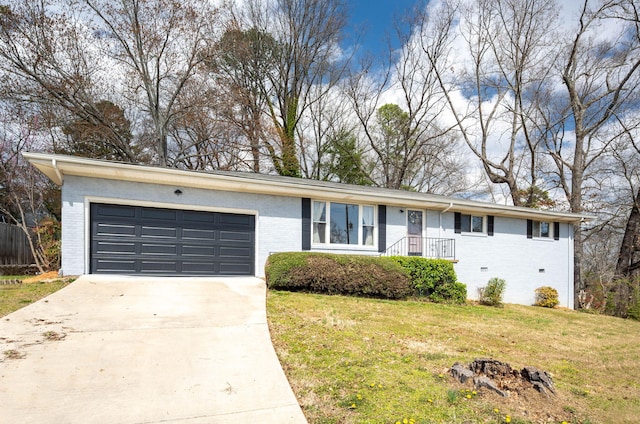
column 493, row 293
column 434, row 279
column 547, row 297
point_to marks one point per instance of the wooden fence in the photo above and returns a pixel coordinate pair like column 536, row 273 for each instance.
column 14, row 246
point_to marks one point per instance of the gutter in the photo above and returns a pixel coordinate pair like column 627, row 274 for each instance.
column 54, row 164
column 440, row 219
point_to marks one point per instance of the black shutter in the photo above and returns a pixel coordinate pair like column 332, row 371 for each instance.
column 490, row 225
column 556, row 231
column 382, row 228
column 529, row 228
column 306, row 223
column 457, row 222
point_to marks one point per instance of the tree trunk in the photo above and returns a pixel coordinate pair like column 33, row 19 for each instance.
column 630, row 246
column 575, row 203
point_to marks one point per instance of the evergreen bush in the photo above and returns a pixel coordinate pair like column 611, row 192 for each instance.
column 434, row 279
column 493, row 293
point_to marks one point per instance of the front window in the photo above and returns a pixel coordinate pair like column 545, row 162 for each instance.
column 319, row 222
column 343, row 223
column 472, row 223
column 367, row 225
column 541, row 229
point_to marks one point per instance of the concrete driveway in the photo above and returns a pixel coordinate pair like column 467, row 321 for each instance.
column 109, row 349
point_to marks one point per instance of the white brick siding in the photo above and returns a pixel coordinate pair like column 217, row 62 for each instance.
column 509, row 254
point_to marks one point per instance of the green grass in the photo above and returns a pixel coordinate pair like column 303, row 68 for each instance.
column 354, row 360
column 16, row 296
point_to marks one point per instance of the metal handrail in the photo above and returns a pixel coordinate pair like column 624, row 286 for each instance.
column 427, row 247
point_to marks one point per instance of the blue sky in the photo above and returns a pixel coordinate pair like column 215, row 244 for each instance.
column 376, row 19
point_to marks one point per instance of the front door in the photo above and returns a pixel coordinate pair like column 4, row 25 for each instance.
column 414, row 233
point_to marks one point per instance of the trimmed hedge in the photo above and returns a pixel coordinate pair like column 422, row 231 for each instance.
column 355, row 275
column 434, row 279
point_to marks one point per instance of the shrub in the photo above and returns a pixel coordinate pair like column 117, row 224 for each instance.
column 433, row 278
column 493, row 293
column 48, row 235
column 455, row 292
column 368, row 276
column 547, row 297
column 623, row 298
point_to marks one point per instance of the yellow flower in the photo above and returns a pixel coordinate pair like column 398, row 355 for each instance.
column 468, row 396
column 474, row 393
column 353, row 406
column 359, row 396
column 496, row 410
column 405, row 421
column 373, row 384
column 379, row 386
column 507, row 419
column 430, row 400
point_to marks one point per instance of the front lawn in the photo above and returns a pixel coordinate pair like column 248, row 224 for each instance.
column 355, row 360
column 16, row 296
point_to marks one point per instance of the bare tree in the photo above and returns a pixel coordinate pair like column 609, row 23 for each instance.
column 408, row 144
column 24, row 193
column 600, row 76
column 506, row 45
column 46, row 61
column 306, row 65
column 627, row 159
column 241, row 64
column 160, row 44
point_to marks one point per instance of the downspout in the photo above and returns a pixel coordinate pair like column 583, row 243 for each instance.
column 57, row 171
column 440, row 218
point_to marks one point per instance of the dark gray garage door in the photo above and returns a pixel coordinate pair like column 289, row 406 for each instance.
column 140, row 240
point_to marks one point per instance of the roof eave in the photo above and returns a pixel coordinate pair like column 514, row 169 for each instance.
column 56, row 166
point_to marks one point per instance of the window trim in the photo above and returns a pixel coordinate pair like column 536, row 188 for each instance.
column 327, row 236
column 535, row 233
column 554, row 230
column 458, row 224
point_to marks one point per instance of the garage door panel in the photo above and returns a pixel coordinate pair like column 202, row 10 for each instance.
column 231, row 219
column 200, row 268
column 158, row 249
column 116, row 230
column 235, row 236
column 159, row 214
column 115, row 247
column 195, row 217
column 198, row 234
column 133, row 239
column 115, row 211
column 189, row 250
column 231, row 268
column 235, row 252
column 161, row 232
column 158, row 267
column 115, row 266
